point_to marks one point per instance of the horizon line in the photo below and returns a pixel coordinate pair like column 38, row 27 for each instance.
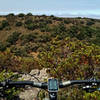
column 61, row 14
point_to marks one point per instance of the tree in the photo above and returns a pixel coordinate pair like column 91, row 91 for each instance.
column 21, row 15
column 29, row 14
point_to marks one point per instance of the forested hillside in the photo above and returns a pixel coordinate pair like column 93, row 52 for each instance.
column 70, row 47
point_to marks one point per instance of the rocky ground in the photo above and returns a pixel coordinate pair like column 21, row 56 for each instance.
column 30, row 93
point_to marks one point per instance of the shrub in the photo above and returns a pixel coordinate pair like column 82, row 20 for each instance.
column 41, row 20
column 82, row 22
column 40, row 49
column 52, row 16
column 13, row 38
column 32, row 26
column 19, row 24
column 66, row 21
column 79, row 17
column 81, row 32
column 11, row 14
column 59, row 29
column 9, row 94
column 29, row 21
column 43, row 15
column 31, row 47
column 49, row 21
column 19, row 51
column 45, row 29
column 1, row 27
column 5, row 23
column 31, row 37
column 2, row 46
column 29, row 14
column 90, row 23
column 43, row 38
column 21, row 15
column 80, row 36
column 28, row 38
column 42, row 24
column 59, row 19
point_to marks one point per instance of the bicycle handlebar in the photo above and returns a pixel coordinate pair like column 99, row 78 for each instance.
column 73, row 82
column 45, row 84
column 23, row 83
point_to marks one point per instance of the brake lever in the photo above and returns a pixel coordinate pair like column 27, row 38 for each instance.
column 90, row 87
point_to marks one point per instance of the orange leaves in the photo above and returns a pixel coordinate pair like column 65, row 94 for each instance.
column 83, row 60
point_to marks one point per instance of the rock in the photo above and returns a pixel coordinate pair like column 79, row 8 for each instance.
column 26, row 77
column 43, row 75
column 37, row 75
column 35, row 72
column 29, row 94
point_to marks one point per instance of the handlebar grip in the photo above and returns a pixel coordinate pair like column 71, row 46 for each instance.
column 23, row 83
column 73, row 82
column 64, row 84
column 20, row 83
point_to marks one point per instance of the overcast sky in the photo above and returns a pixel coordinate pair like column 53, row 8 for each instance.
column 64, row 8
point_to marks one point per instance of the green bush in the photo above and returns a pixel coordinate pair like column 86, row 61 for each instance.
column 32, row 26
column 2, row 46
column 81, row 32
column 89, row 23
column 43, row 15
column 45, row 29
column 82, row 22
column 29, row 24
column 1, row 27
column 29, row 14
column 28, row 38
column 19, row 24
column 66, row 21
column 9, row 94
column 43, row 38
column 59, row 19
column 59, row 30
column 48, row 21
column 42, row 24
column 13, row 38
column 19, row 51
column 29, row 21
column 52, row 16
column 4, row 23
column 21, row 15
column 11, row 14
column 31, row 47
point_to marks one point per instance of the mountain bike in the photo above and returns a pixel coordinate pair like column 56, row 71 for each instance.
column 53, row 85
